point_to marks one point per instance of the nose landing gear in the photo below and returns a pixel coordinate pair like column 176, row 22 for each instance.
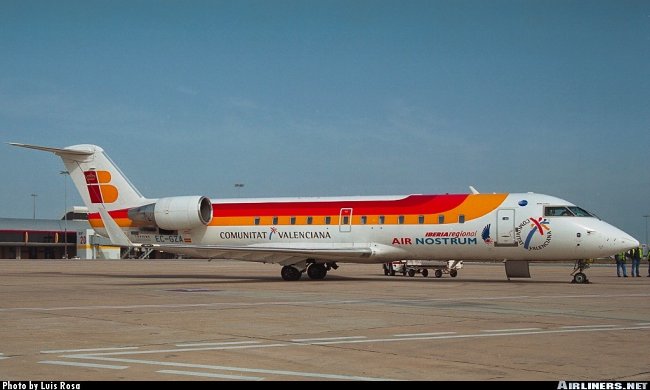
column 578, row 272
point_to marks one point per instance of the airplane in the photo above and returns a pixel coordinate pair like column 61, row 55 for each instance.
column 315, row 234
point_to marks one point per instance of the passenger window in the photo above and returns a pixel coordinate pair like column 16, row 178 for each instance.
column 382, row 219
column 293, row 220
column 328, row 220
column 275, row 221
column 346, row 220
column 441, row 218
column 461, row 218
column 257, row 220
column 400, row 220
column 364, row 219
column 310, row 220
column 421, row 219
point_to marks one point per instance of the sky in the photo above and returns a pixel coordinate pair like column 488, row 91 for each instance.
column 328, row 97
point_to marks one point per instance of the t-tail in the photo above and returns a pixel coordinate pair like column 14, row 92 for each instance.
column 98, row 180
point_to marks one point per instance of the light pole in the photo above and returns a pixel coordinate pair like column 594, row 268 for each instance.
column 65, row 212
column 646, row 229
column 34, row 206
column 238, row 187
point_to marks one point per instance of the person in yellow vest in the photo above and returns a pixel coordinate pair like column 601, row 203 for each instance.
column 636, row 260
column 620, row 264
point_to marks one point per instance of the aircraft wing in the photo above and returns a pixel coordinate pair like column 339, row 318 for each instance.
column 284, row 255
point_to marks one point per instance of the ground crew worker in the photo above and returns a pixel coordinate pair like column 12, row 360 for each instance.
column 636, row 260
column 620, row 264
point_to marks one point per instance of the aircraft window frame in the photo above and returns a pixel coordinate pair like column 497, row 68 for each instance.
column 461, row 218
column 382, row 219
column 557, row 211
column 328, row 220
column 292, row 220
column 275, row 221
column 256, row 221
column 580, row 212
column 400, row 220
column 346, row 220
column 310, row 220
column 364, row 219
column 441, row 218
column 421, row 219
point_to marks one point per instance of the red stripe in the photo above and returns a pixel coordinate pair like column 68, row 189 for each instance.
column 124, row 213
column 413, row 204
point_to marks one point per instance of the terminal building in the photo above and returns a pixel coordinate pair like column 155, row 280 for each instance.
column 69, row 237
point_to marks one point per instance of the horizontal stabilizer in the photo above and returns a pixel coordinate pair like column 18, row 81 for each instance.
column 58, row 151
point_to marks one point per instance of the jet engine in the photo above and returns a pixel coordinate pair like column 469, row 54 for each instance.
column 175, row 213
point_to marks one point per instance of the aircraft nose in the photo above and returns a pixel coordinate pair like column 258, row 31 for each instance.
column 622, row 241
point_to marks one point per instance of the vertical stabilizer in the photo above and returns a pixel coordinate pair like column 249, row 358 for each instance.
column 98, row 180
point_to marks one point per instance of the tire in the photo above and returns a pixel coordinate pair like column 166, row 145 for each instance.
column 580, row 278
column 453, row 273
column 425, row 272
column 411, row 272
column 316, row 271
column 438, row 273
column 290, row 273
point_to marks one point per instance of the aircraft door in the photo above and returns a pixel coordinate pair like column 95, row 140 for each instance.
column 506, row 228
column 345, row 220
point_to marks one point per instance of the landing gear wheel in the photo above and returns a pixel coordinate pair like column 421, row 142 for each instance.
column 316, row 271
column 411, row 272
column 580, row 278
column 385, row 271
column 453, row 273
column 290, row 273
column 437, row 273
column 425, row 272
column 392, row 272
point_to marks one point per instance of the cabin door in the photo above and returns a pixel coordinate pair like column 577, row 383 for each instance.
column 506, row 228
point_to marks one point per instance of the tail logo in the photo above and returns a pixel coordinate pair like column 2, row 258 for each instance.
column 99, row 187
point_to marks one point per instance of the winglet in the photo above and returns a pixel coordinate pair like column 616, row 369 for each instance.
column 115, row 234
column 471, row 188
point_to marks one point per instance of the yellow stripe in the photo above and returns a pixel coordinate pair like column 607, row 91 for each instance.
column 88, row 246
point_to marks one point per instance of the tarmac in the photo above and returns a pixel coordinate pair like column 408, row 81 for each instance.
column 68, row 320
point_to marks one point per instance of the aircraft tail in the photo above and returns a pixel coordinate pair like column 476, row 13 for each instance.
column 98, row 180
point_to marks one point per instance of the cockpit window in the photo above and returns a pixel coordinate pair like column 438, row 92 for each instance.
column 566, row 211
column 580, row 212
column 557, row 211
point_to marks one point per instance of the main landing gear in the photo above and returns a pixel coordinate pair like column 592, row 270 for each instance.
column 290, row 272
column 578, row 272
column 315, row 271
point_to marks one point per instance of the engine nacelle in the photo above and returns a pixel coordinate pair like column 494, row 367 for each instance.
column 175, row 213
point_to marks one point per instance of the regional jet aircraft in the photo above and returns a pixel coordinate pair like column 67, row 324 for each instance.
column 314, row 235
